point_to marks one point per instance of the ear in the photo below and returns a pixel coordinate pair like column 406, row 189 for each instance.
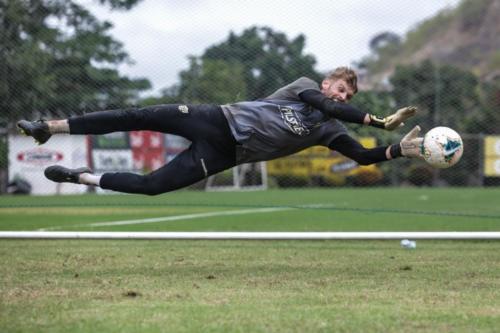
column 325, row 84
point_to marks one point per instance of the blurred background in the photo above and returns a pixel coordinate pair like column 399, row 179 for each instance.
column 60, row 58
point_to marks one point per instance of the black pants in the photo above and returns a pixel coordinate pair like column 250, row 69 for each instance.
column 212, row 149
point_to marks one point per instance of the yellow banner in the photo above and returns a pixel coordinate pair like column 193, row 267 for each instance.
column 323, row 166
column 492, row 156
column 492, row 146
column 492, row 167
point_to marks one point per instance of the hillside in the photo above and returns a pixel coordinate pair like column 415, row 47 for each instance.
column 467, row 36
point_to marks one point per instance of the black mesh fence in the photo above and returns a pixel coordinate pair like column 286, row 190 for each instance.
column 57, row 60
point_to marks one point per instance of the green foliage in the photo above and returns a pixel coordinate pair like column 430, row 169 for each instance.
column 212, row 81
column 488, row 119
column 471, row 12
column 396, row 50
column 445, row 95
column 383, row 46
column 55, row 57
column 379, row 103
column 416, row 38
column 244, row 67
column 467, row 17
column 494, row 61
column 119, row 4
column 4, row 150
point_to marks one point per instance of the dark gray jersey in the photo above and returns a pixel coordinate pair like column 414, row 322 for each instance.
column 280, row 124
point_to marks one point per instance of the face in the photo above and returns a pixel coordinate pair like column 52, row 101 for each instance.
column 338, row 90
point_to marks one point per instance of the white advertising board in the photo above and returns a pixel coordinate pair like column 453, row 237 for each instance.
column 28, row 161
column 107, row 160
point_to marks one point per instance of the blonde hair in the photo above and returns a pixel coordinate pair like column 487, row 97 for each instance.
column 347, row 74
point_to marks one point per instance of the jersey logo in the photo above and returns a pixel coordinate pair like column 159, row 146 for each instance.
column 292, row 121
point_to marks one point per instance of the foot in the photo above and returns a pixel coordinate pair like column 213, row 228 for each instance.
column 60, row 174
column 39, row 130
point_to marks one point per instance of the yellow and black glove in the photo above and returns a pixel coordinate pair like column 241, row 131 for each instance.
column 394, row 120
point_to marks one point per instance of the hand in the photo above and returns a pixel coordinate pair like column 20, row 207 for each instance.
column 397, row 119
column 411, row 144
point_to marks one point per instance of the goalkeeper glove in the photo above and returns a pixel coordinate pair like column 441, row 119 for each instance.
column 395, row 120
column 411, row 144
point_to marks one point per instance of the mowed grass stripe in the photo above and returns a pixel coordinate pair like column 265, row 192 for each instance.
column 311, row 210
column 175, row 218
column 464, row 200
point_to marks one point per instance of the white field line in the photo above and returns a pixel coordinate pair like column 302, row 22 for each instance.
column 175, row 218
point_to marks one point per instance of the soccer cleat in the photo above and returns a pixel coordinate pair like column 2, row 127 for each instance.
column 39, row 130
column 60, row 174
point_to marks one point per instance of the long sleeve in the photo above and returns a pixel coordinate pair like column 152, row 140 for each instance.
column 331, row 108
column 351, row 148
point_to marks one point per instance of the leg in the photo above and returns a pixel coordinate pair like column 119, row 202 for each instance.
column 192, row 165
column 189, row 121
column 213, row 150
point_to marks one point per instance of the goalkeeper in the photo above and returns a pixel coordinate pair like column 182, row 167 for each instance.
column 297, row 116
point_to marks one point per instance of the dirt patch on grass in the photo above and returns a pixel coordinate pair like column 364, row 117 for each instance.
column 132, row 294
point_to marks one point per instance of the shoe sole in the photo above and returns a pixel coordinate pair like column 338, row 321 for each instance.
column 27, row 133
column 60, row 174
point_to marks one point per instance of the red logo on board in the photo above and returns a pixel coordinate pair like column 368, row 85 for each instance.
column 39, row 156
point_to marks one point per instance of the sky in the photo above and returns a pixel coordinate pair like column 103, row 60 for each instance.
column 159, row 35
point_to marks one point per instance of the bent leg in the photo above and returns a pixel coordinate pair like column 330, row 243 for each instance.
column 192, row 165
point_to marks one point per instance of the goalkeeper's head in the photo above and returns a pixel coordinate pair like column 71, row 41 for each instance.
column 340, row 85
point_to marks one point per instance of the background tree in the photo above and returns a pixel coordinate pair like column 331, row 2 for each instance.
column 57, row 58
column 248, row 66
column 488, row 119
column 384, row 40
column 445, row 95
column 382, row 46
column 212, row 81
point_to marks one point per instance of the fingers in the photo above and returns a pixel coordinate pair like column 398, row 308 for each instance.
column 407, row 112
column 412, row 108
column 412, row 134
column 397, row 119
column 411, row 144
column 416, row 129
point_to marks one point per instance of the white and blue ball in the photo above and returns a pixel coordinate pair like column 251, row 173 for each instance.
column 442, row 147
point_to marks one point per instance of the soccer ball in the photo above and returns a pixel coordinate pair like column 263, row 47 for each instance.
column 442, row 147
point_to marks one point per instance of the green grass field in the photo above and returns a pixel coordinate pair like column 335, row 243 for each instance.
column 252, row 286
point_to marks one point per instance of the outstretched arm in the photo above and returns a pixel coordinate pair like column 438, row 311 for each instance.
column 333, row 109
column 352, row 114
column 410, row 146
column 351, row 148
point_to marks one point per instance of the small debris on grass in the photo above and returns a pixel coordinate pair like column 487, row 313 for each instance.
column 210, row 277
column 132, row 294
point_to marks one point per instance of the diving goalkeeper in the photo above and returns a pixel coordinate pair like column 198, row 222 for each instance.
column 297, row 116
